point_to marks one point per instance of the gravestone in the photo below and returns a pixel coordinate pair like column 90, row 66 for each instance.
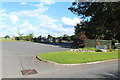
column 101, row 48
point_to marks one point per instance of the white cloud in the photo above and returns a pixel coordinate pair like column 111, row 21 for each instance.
column 56, row 29
column 39, row 5
column 3, row 34
column 48, row 1
column 3, row 26
column 42, row 24
column 69, row 21
column 3, row 15
column 2, row 10
column 24, row 24
column 26, row 27
column 23, row 3
column 14, row 18
column 6, row 29
column 40, row 9
column 22, row 31
column 46, row 19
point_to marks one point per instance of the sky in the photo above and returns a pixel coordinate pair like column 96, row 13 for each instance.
column 39, row 18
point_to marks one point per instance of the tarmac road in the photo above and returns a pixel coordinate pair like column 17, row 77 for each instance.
column 17, row 56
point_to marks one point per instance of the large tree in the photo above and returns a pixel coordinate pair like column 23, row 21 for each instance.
column 29, row 37
column 7, row 36
column 100, row 19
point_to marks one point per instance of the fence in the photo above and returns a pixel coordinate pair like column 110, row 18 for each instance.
column 92, row 42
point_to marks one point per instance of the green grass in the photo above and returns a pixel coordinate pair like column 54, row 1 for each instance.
column 6, row 39
column 9, row 39
column 70, row 57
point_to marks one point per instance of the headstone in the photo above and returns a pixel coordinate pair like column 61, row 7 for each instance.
column 101, row 48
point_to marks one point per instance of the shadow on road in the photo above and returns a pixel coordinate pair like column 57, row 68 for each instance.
column 63, row 44
column 113, row 75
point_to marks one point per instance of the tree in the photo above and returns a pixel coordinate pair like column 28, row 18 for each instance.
column 80, row 40
column 39, row 38
column 49, row 37
column 7, row 36
column 102, row 19
column 72, row 37
column 20, row 36
column 30, row 36
column 34, row 39
column 54, row 40
column 66, row 37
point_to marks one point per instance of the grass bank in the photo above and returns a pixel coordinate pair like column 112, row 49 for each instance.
column 70, row 57
column 10, row 39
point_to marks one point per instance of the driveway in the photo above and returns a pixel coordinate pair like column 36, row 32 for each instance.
column 17, row 56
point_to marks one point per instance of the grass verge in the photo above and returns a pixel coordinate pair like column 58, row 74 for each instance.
column 70, row 57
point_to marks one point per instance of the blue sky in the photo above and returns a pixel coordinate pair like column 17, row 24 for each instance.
column 40, row 18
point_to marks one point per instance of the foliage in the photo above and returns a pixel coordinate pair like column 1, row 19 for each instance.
column 66, row 37
column 49, row 37
column 20, row 36
column 72, row 37
column 101, row 20
column 7, row 36
column 40, row 37
column 28, row 37
column 70, row 57
column 80, row 40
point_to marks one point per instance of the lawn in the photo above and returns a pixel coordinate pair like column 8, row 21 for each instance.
column 70, row 57
column 6, row 39
column 9, row 39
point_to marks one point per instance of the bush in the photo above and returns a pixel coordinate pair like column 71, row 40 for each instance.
column 17, row 38
column 28, row 37
column 7, row 36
